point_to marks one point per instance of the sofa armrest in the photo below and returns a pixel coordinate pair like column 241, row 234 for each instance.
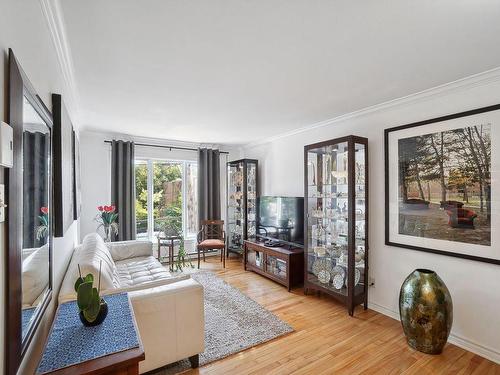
column 130, row 249
column 171, row 322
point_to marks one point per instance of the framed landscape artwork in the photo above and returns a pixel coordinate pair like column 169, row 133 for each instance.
column 441, row 184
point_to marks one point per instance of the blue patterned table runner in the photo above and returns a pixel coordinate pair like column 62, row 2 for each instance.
column 70, row 342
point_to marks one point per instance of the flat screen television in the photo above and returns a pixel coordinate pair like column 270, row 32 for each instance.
column 281, row 218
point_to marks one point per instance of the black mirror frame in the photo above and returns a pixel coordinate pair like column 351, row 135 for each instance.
column 15, row 345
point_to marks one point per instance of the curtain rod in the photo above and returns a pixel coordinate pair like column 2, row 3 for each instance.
column 169, row 147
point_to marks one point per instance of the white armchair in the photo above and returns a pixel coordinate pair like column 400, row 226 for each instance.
column 169, row 310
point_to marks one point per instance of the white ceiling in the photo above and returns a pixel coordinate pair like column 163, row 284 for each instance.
column 238, row 71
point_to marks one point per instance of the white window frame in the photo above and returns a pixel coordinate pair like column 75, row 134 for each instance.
column 150, row 220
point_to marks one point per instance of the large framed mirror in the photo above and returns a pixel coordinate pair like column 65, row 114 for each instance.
column 29, row 215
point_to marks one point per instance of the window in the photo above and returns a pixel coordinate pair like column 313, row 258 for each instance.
column 166, row 198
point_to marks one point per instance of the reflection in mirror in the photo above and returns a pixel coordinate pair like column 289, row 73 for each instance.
column 35, row 233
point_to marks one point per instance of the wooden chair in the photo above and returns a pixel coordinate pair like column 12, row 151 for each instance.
column 212, row 237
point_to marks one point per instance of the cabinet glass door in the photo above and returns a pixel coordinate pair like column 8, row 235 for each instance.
column 235, row 206
column 255, row 258
column 328, row 207
column 276, row 266
column 241, row 203
column 251, row 203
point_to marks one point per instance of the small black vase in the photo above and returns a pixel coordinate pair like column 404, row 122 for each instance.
column 426, row 311
column 103, row 313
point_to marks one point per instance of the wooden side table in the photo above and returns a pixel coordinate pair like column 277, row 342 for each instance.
column 106, row 350
column 169, row 242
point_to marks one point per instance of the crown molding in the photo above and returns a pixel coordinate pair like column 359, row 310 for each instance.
column 53, row 14
column 479, row 79
column 103, row 135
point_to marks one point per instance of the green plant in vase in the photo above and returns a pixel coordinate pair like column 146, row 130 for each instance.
column 107, row 219
column 93, row 309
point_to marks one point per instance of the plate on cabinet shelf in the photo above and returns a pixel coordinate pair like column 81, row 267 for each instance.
column 357, row 277
column 324, row 276
column 321, row 264
column 338, row 277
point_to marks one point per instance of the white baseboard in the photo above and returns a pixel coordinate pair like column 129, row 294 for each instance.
column 384, row 310
column 462, row 342
column 483, row 351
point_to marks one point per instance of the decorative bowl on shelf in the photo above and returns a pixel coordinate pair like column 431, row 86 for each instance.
column 320, row 251
column 333, row 251
column 317, row 213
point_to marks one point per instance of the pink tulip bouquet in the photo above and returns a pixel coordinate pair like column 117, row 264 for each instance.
column 107, row 219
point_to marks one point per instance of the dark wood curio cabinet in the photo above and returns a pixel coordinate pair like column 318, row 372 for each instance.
column 336, row 223
column 241, row 218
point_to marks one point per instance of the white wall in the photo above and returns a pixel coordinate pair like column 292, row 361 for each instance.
column 95, row 161
column 96, row 170
column 24, row 29
column 473, row 285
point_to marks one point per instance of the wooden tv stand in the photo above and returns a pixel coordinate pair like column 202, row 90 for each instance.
column 281, row 264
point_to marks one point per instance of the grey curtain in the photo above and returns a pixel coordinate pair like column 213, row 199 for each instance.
column 123, row 188
column 208, row 184
column 35, row 187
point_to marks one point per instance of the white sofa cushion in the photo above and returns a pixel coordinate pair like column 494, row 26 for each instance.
column 122, row 250
column 35, row 275
column 89, row 257
column 140, row 270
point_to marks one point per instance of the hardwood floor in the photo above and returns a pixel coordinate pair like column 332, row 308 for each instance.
column 327, row 341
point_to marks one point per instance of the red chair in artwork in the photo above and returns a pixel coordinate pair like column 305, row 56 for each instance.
column 448, row 205
column 461, row 218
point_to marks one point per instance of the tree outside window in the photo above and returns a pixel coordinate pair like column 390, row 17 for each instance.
column 163, row 186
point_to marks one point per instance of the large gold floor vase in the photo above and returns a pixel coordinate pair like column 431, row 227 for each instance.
column 426, row 311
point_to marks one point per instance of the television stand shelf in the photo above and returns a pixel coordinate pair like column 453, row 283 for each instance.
column 283, row 265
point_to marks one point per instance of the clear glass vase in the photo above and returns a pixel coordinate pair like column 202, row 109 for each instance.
column 107, row 233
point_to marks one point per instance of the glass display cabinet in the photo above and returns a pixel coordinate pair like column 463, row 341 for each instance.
column 336, row 206
column 241, row 218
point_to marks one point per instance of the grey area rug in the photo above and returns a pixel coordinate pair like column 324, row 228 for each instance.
column 233, row 322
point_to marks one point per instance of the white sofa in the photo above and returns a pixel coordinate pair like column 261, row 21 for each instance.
column 168, row 309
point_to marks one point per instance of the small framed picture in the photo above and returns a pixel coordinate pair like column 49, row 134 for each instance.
column 442, row 185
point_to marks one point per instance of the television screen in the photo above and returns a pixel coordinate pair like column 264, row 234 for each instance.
column 282, row 218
